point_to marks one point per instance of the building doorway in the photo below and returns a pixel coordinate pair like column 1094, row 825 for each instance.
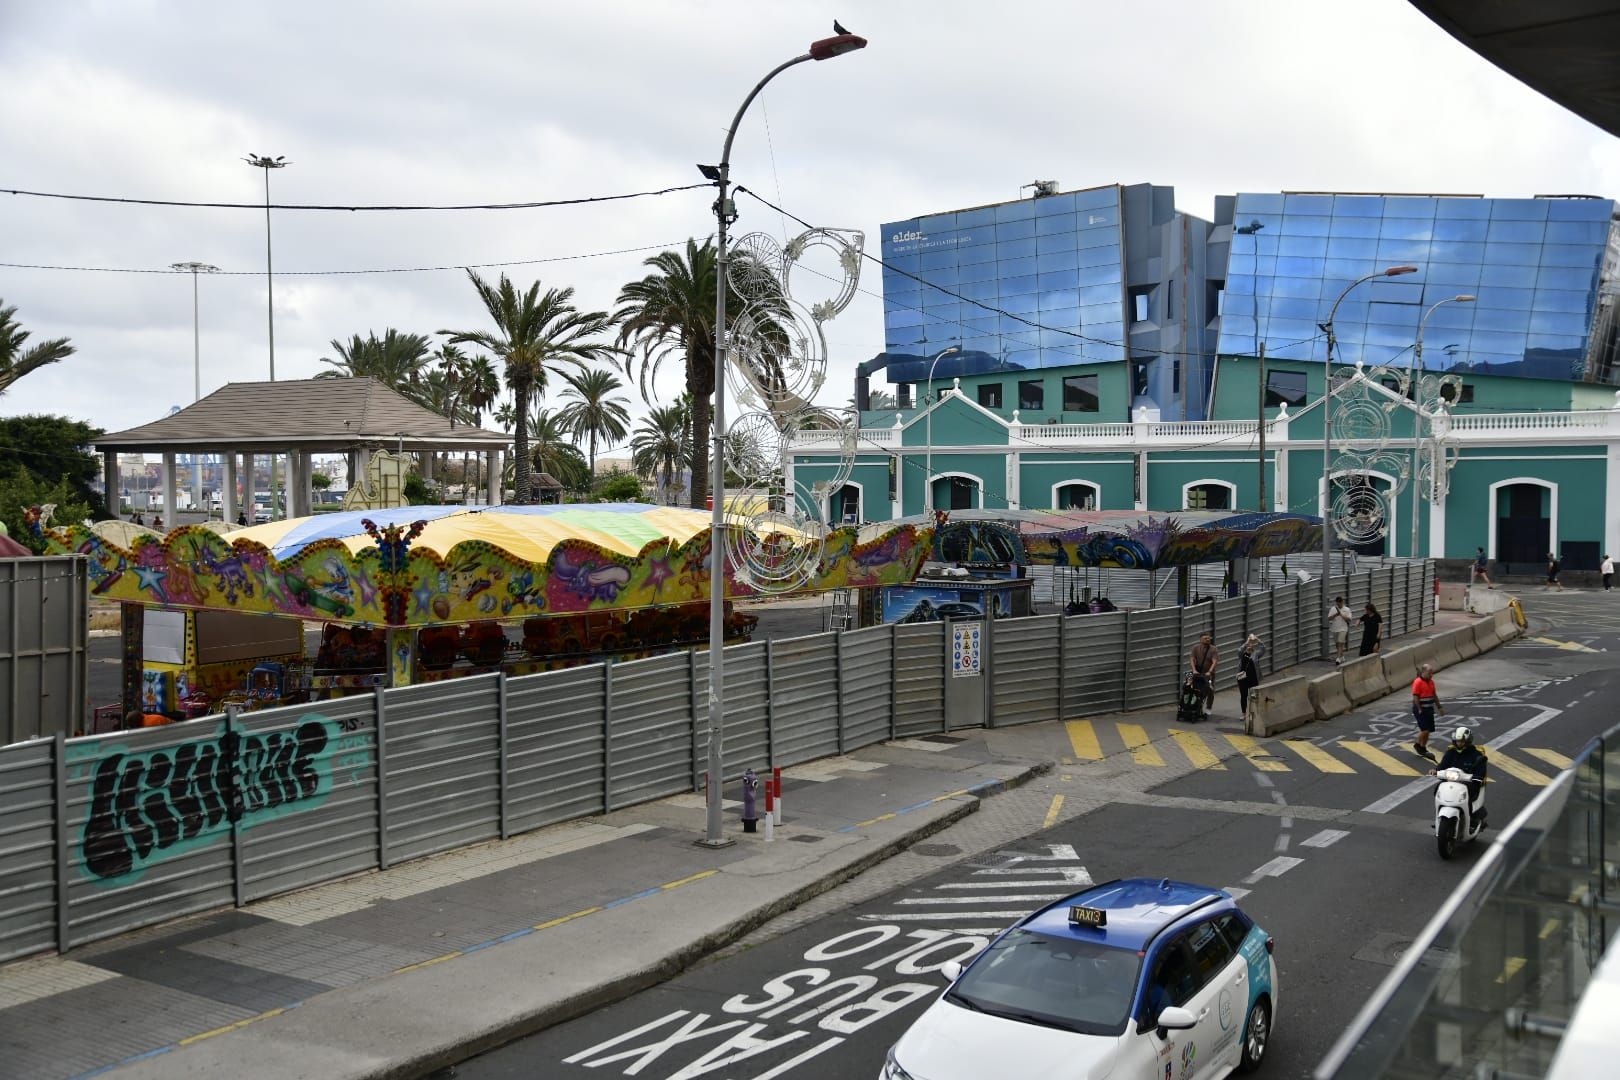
column 1523, row 519
column 1076, row 495
column 1208, row 495
column 844, row 505
column 954, row 491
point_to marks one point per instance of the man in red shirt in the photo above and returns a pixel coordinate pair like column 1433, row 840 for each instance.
column 1425, row 703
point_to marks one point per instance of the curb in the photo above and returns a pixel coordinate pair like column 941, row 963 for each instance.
column 677, row 961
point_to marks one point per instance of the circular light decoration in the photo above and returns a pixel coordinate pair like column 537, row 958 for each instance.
column 1361, row 421
column 779, row 352
column 756, row 445
column 847, row 245
column 1360, row 514
column 770, row 547
column 754, row 267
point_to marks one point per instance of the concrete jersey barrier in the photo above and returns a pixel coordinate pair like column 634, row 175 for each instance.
column 1400, row 667
column 1443, row 648
column 1506, row 627
column 1485, row 634
column 1279, row 706
column 1327, row 695
column 1365, row 679
column 1467, row 646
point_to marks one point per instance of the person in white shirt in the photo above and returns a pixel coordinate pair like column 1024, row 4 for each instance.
column 1339, row 628
column 1606, row 568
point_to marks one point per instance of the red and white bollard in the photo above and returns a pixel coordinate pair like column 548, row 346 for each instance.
column 776, row 779
column 770, row 809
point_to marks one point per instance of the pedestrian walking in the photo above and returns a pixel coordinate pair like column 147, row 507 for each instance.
column 1372, row 630
column 1606, row 568
column 1205, row 657
column 1481, row 563
column 241, row 517
column 1249, row 668
column 1339, row 628
column 136, row 519
column 1553, row 566
column 1425, row 703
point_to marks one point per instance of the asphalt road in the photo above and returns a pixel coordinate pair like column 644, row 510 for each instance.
column 1343, row 894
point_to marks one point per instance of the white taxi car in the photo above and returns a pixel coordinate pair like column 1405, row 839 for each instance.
column 1138, row 979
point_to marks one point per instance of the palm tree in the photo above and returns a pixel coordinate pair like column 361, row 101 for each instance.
column 553, row 453
column 15, row 360
column 533, row 331
column 592, row 412
column 397, row 360
column 881, row 401
column 659, row 446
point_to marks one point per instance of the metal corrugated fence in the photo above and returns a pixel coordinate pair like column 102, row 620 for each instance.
column 105, row 834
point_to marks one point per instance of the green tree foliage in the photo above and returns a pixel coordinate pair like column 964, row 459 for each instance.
column 397, row 360
column 593, row 412
column 619, row 487
column 552, row 452
column 533, row 332
column 659, row 447
column 16, row 357
column 21, row 490
column 49, row 451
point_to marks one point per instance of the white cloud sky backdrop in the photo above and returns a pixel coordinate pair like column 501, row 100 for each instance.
column 953, row 104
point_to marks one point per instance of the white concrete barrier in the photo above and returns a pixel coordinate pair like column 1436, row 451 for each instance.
column 1327, row 695
column 1507, row 627
column 1485, row 633
column 1443, row 651
column 1467, row 647
column 1365, row 679
column 1279, row 706
column 1400, row 666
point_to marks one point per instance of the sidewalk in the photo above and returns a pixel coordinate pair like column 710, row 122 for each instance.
column 401, row 972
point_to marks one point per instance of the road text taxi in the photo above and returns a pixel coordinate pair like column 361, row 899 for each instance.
column 1137, row 979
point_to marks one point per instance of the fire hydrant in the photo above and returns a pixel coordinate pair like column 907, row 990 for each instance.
column 750, row 816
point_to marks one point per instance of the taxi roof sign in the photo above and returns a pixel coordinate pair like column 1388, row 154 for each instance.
column 1088, row 916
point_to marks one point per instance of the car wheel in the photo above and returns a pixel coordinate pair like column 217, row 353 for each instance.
column 1256, row 1036
column 1446, row 836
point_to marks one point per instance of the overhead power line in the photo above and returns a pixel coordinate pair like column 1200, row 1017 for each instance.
column 352, row 209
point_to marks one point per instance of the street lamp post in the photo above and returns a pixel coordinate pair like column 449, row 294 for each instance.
column 195, row 268
column 265, row 162
column 1327, row 425
column 1413, row 373
column 1252, row 229
column 928, row 479
column 725, row 213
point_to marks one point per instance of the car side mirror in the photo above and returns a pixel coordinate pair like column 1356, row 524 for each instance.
column 1175, row 1018
column 951, row 969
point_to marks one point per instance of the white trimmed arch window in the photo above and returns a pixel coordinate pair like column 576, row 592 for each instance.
column 1076, row 495
column 1209, row 494
column 847, row 504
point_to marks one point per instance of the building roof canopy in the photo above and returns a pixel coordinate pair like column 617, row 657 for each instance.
column 323, row 414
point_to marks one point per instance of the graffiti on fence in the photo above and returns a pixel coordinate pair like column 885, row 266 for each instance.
column 154, row 804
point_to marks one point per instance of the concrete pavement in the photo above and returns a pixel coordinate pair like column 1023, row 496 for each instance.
column 400, row 972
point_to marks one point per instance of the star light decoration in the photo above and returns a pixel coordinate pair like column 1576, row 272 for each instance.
column 778, row 350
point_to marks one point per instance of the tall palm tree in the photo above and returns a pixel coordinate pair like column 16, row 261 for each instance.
column 659, row 445
column 481, row 385
column 17, row 361
column 592, row 411
column 552, row 452
column 397, row 360
column 533, row 331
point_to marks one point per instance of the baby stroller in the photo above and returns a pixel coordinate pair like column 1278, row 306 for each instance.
column 1190, row 705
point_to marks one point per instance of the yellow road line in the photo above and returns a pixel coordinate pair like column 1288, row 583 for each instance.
column 1083, row 738
column 1514, row 965
column 1499, row 760
column 1548, row 928
column 699, row 876
column 429, row 963
column 1258, row 756
column 1198, row 752
column 1317, row 756
column 1052, row 811
column 1371, row 754
column 549, row 923
column 1551, row 757
column 1140, row 746
column 231, row 1027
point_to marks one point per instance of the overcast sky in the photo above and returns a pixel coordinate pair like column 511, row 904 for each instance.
column 953, row 104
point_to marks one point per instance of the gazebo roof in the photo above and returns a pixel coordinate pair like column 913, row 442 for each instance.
column 327, row 415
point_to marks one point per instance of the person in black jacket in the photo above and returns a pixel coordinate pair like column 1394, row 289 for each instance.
column 1464, row 755
column 1248, row 668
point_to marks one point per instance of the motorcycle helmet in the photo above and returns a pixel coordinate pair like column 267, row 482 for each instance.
column 1462, row 737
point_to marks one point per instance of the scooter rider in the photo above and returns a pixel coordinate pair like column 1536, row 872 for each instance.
column 1464, row 755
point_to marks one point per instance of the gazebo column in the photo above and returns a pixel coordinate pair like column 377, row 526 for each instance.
column 228, row 499
column 109, row 477
column 492, row 461
column 362, row 464
column 168, row 488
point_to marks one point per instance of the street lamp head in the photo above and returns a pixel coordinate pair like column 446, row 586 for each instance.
column 1397, row 271
column 1464, row 298
column 838, row 45
column 1251, row 228
column 710, row 172
column 195, row 267
column 264, row 161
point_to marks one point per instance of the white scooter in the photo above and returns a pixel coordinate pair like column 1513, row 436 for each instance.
column 1454, row 819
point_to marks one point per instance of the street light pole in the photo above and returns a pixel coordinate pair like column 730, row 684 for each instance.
column 265, row 162
column 1327, row 426
column 928, row 478
column 725, row 212
column 1251, row 229
column 1413, row 373
column 195, row 268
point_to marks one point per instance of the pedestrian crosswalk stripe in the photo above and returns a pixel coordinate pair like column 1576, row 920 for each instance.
column 1370, row 753
column 1023, row 898
column 1197, row 751
column 1548, row 928
column 1140, row 746
column 1501, row 761
column 1083, row 739
column 1512, row 967
column 1551, row 757
column 1250, row 748
column 1317, row 756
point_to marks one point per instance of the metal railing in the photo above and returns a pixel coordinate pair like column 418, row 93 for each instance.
column 1492, row 984
column 108, row 833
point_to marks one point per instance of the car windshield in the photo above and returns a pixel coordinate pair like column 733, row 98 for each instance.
column 1057, row 982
